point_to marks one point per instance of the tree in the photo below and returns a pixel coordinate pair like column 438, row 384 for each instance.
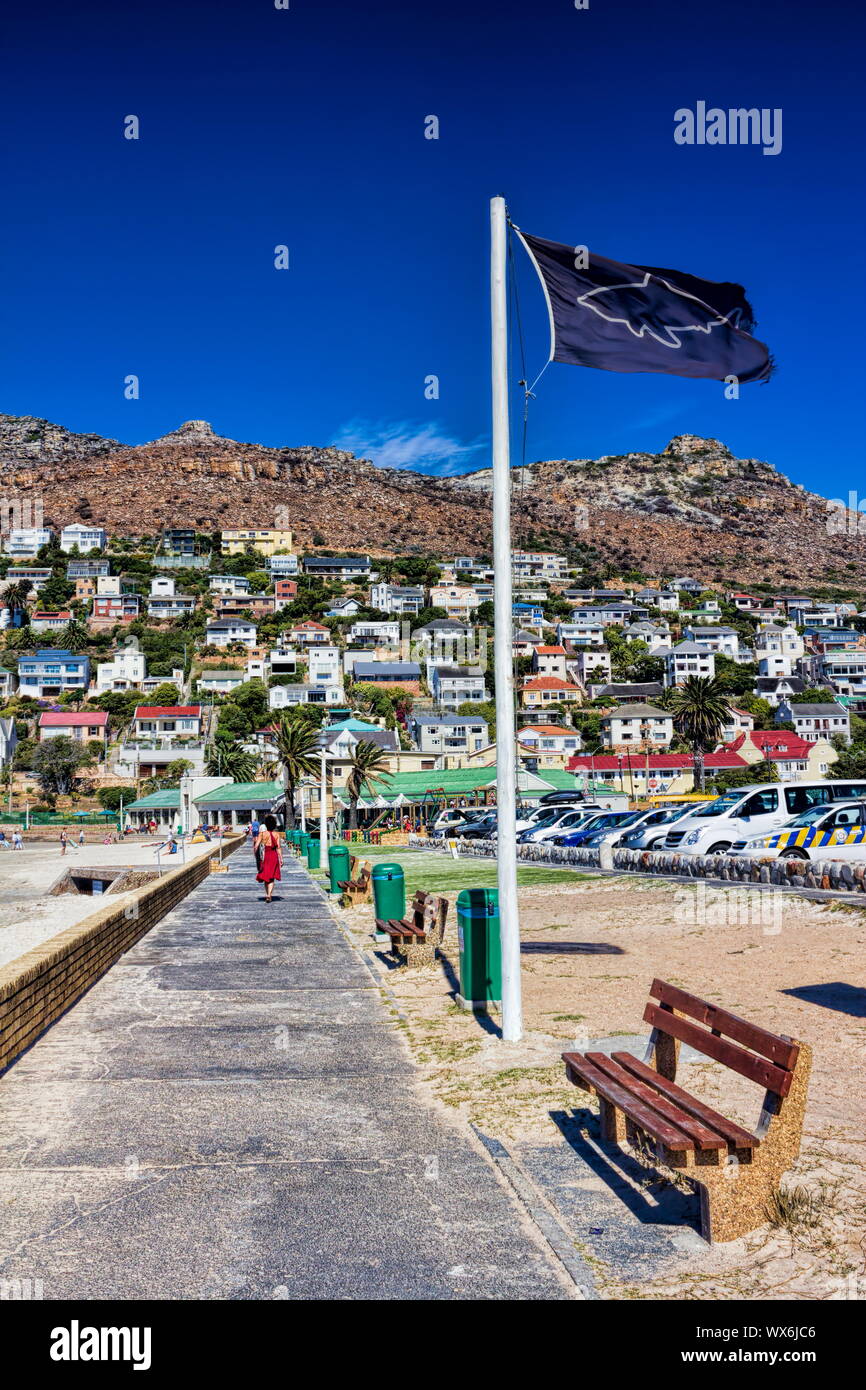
column 367, row 764
column 75, row 635
column 699, row 712
column 110, row 798
column 57, row 763
column 229, row 759
column 165, row 694
column 297, row 747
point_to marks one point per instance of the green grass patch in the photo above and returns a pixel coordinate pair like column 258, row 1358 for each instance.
column 428, row 872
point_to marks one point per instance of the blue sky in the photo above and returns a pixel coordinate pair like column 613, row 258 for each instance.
column 305, row 127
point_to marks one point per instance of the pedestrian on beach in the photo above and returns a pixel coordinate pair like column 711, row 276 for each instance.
column 4, row 843
column 81, row 836
column 17, row 842
column 267, row 844
column 63, row 842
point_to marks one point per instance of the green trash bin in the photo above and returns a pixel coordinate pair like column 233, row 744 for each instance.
column 313, row 852
column 295, row 837
column 480, row 948
column 389, row 892
column 303, row 842
column 338, row 866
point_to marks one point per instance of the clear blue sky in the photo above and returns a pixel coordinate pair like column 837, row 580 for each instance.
column 306, row 127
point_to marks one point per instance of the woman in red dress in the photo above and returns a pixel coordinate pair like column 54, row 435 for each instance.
column 267, row 842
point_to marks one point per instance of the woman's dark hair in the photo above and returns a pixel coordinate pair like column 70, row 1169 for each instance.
column 271, row 822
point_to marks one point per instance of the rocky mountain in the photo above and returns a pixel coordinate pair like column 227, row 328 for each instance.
column 694, row 508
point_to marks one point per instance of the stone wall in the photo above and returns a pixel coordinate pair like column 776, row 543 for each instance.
column 833, row 875
column 39, row 986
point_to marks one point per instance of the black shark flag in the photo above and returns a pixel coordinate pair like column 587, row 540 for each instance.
column 638, row 318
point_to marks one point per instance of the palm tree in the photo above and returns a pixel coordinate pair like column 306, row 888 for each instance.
column 75, row 635
column 230, row 760
column 367, row 764
column 297, row 745
column 700, row 709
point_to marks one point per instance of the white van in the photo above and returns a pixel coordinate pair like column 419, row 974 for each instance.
column 746, row 812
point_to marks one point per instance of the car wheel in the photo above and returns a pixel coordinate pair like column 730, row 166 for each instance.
column 794, row 854
column 721, row 848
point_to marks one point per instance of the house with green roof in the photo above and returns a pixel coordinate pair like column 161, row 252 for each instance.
column 163, row 807
column 235, row 804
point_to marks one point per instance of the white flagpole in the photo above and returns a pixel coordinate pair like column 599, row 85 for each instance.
column 506, row 763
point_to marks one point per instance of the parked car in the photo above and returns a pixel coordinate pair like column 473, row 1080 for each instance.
column 447, row 821
column 482, row 829
column 608, row 820
column 613, row 832
column 530, row 820
column 745, row 812
column 649, row 832
column 834, row 832
column 560, row 818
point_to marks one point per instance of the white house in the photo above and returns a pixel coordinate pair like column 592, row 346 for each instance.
column 818, row 721
column 687, row 659
column 283, row 696
column 125, row 671
column 212, row 682
column 592, row 666
column 224, row 631
column 454, row 685
column 85, row 537
column 323, row 665
column 25, row 542
column 374, row 633
column 232, row 585
column 448, row 733
column 580, row 634
column 637, row 726
column 723, row 640
column 393, row 598
column 550, row 661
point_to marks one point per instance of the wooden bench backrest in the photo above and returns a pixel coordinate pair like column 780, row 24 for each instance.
column 366, row 870
column 771, row 1060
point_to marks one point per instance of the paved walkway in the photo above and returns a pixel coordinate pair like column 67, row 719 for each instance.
column 230, row 1113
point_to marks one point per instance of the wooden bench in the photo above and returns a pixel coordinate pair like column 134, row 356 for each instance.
column 357, row 889
column 417, row 936
column 735, row 1171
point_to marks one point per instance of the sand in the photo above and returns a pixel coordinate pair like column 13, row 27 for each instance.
column 793, row 966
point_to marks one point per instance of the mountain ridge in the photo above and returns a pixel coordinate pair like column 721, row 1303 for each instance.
column 693, row 507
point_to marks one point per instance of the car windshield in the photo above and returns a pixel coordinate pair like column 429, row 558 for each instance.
column 627, row 817
column 720, row 805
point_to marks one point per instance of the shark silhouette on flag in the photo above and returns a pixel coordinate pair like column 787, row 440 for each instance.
column 639, row 318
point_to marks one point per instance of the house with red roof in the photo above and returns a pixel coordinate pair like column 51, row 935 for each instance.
column 40, row 621
column 83, row 727
column 794, row 757
column 550, row 661
column 308, row 632
column 167, row 721
column 641, row 774
column 549, row 690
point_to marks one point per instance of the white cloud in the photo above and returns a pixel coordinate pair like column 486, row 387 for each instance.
column 405, row 444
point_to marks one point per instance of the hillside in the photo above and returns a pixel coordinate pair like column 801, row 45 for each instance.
column 694, row 508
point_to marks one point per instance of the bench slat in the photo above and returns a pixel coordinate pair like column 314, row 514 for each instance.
column 732, row 1133
column 728, row 1053
column 779, row 1050
column 646, row 1118
column 704, row 1137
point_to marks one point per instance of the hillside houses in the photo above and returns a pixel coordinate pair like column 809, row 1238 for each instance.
column 324, row 635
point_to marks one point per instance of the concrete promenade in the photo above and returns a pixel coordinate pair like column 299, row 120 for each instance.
column 230, row 1113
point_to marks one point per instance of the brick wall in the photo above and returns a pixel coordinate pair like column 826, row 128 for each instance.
column 39, row 986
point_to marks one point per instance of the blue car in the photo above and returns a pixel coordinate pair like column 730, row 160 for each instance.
column 607, row 821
